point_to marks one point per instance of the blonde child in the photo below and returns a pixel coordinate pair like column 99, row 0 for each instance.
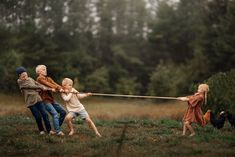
column 194, row 113
column 56, row 110
column 71, row 97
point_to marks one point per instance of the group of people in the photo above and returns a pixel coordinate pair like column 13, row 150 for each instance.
column 39, row 99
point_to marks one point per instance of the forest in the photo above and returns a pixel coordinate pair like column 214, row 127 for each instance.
column 147, row 47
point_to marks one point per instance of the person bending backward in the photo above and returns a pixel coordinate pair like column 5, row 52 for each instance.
column 29, row 87
column 194, row 113
column 74, row 106
column 52, row 106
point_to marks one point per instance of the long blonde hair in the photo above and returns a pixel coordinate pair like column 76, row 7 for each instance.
column 204, row 88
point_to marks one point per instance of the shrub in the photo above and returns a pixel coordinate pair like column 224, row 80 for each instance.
column 222, row 91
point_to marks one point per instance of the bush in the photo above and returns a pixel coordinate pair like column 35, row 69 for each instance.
column 222, row 91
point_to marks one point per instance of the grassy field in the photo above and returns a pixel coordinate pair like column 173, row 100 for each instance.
column 130, row 127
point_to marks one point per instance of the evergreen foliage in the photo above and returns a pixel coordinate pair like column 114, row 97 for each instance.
column 110, row 46
column 222, row 92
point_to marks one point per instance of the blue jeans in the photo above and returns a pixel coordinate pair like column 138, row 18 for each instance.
column 55, row 109
column 38, row 110
column 62, row 112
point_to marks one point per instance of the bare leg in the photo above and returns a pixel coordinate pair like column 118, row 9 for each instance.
column 92, row 126
column 184, row 129
column 68, row 120
column 190, row 129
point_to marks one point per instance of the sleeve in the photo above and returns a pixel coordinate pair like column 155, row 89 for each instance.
column 49, row 83
column 28, row 85
column 79, row 95
column 194, row 100
column 42, row 86
column 53, row 82
column 66, row 97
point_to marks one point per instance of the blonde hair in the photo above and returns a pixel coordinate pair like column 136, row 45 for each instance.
column 37, row 69
column 67, row 81
column 205, row 88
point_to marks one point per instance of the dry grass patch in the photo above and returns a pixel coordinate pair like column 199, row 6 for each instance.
column 108, row 108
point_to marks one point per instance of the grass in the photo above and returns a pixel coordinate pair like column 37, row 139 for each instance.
column 129, row 127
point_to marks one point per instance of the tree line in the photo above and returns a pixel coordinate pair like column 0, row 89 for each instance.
column 150, row 47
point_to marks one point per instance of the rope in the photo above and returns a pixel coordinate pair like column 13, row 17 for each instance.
column 134, row 96
column 122, row 95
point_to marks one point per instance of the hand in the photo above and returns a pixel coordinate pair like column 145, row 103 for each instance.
column 183, row 98
column 61, row 90
column 66, row 91
column 53, row 90
column 89, row 94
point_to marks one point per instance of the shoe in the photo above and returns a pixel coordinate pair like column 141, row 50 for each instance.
column 42, row 132
column 52, row 132
column 60, row 133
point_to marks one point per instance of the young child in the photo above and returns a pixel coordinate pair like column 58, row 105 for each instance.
column 29, row 87
column 194, row 113
column 51, row 105
column 74, row 106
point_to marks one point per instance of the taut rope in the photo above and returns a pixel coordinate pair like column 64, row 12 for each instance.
column 134, row 96
column 122, row 95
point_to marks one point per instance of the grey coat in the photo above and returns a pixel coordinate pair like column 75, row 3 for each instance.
column 30, row 89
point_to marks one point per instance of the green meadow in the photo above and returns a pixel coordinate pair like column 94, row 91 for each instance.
column 129, row 127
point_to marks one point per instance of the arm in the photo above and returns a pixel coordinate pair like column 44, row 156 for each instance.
column 81, row 96
column 183, row 98
column 195, row 100
column 28, row 85
column 49, row 83
column 192, row 100
column 43, row 87
column 66, row 97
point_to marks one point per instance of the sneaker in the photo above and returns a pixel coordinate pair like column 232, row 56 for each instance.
column 42, row 132
column 52, row 132
column 60, row 133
